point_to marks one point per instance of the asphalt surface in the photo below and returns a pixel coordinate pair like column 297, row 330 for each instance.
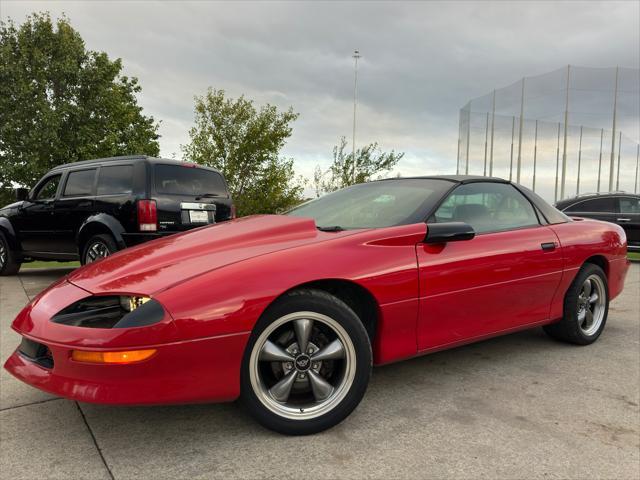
column 519, row 406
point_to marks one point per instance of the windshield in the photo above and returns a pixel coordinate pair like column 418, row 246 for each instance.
column 187, row 180
column 376, row 204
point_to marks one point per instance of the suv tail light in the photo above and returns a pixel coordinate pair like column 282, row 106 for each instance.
column 147, row 216
column 233, row 211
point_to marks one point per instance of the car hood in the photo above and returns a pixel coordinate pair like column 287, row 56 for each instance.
column 11, row 206
column 155, row 266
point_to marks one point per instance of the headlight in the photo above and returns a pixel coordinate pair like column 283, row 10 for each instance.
column 111, row 312
column 131, row 303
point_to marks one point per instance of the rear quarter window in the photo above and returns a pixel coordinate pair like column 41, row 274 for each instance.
column 186, row 180
column 116, row 179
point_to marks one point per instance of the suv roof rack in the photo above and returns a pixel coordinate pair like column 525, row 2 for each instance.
column 591, row 194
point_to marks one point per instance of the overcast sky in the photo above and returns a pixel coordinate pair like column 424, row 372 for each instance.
column 421, row 61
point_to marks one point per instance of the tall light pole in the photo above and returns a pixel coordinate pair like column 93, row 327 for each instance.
column 356, row 56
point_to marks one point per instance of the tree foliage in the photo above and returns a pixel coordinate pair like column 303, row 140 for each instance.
column 60, row 102
column 244, row 143
column 370, row 161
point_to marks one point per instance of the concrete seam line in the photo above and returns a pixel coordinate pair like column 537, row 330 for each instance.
column 95, row 442
column 29, row 404
column 23, row 288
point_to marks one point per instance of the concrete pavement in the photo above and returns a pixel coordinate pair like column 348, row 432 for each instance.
column 519, row 406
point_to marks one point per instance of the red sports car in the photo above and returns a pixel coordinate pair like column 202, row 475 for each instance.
column 289, row 312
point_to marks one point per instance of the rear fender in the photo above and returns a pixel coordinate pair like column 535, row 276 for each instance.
column 101, row 223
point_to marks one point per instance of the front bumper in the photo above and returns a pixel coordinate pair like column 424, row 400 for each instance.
column 200, row 370
column 205, row 370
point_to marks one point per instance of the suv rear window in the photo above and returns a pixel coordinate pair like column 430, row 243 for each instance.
column 179, row 180
column 115, row 179
column 79, row 183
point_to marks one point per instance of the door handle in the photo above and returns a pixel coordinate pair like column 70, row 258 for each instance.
column 84, row 204
column 549, row 246
column 623, row 219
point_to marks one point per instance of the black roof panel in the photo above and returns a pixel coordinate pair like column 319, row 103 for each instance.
column 127, row 157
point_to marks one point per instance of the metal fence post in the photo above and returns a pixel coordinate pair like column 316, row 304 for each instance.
column 600, row 158
column 555, row 195
column 613, row 132
column 579, row 162
column 566, row 126
column 459, row 137
column 520, row 133
column 466, row 167
column 493, row 123
column 486, row 133
column 618, row 174
column 535, row 156
column 513, row 127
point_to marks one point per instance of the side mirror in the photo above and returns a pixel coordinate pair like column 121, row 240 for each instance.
column 22, row 194
column 448, row 232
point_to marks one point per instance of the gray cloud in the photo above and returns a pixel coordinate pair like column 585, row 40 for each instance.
column 421, row 61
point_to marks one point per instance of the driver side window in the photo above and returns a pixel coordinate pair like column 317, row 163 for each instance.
column 487, row 207
column 47, row 190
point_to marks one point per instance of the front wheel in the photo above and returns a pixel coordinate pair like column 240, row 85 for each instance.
column 9, row 264
column 586, row 306
column 307, row 364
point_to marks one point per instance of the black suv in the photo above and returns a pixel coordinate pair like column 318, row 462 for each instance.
column 88, row 210
column 616, row 207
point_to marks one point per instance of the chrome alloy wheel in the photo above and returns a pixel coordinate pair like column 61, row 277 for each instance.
column 591, row 305
column 302, row 365
column 96, row 251
column 3, row 254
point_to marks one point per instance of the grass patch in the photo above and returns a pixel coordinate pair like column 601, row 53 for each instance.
column 41, row 264
column 633, row 256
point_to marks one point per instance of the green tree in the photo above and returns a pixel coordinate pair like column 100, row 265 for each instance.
column 370, row 161
column 244, row 144
column 60, row 102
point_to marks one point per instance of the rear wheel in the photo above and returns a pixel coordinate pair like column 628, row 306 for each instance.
column 9, row 264
column 586, row 306
column 307, row 364
column 97, row 247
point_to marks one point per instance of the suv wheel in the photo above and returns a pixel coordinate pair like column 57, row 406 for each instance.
column 97, row 247
column 9, row 265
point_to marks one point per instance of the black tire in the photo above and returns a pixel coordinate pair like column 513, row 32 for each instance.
column 102, row 240
column 569, row 328
column 323, row 304
column 9, row 263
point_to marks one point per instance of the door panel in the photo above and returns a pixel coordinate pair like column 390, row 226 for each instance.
column 36, row 222
column 491, row 283
column 73, row 206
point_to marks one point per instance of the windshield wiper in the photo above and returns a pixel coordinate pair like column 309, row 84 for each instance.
column 334, row 228
column 207, row 195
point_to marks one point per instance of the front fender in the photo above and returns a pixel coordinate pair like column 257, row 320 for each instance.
column 231, row 299
column 10, row 234
column 102, row 221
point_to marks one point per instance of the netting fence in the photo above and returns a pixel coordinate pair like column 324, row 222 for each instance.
column 566, row 132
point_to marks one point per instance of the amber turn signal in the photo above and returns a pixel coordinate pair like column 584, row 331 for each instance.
column 130, row 356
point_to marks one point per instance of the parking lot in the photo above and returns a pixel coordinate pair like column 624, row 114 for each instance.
column 519, row 406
